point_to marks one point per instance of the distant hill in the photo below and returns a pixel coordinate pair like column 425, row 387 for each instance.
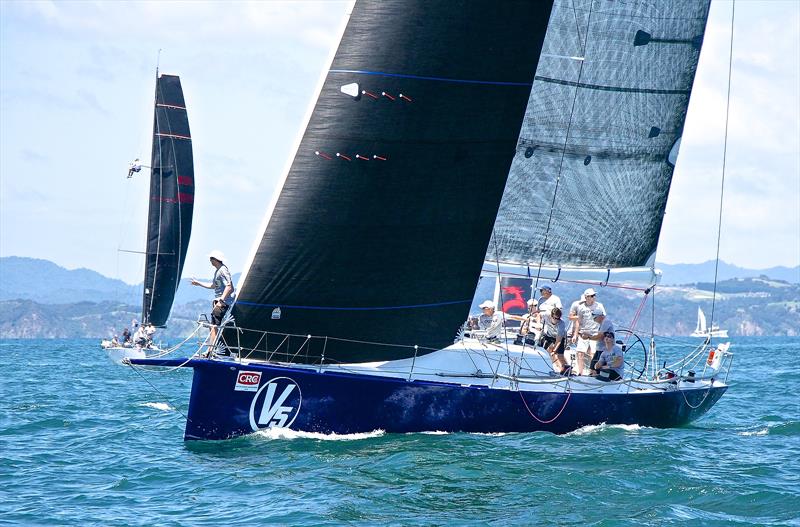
column 29, row 319
column 40, row 299
column 677, row 274
column 744, row 306
column 48, row 283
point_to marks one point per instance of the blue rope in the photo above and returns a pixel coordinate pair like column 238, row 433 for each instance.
column 442, row 79
column 331, row 308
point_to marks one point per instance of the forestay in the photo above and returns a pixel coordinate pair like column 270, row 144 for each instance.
column 589, row 182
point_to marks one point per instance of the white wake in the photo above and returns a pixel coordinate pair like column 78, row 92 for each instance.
column 286, row 433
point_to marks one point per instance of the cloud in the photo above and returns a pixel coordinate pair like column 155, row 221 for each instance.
column 33, row 157
column 90, row 100
column 173, row 22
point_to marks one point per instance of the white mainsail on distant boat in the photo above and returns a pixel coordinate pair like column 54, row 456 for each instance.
column 702, row 331
column 448, row 145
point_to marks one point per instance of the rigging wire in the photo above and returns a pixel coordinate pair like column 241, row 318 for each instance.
column 654, row 358
column 577, row 24
column 159, row 392
column 566, row 141
column 724, row 162
column 500, row 299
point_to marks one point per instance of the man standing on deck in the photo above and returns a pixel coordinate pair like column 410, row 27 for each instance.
column 586, row 326
column 222, row 284
column 548, row 300
column 573, row 313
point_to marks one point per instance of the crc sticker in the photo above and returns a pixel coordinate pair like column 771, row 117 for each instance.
column 247, row 381
column 276, row 404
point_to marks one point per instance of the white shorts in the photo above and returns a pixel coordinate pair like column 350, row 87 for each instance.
column 586, row 344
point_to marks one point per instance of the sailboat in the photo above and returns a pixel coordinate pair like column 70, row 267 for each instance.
column 702, row 331
column 450, row 148
column 169, row 218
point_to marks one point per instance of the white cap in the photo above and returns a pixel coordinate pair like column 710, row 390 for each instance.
column 589, row 292
column 217, row 255
column 487, row 303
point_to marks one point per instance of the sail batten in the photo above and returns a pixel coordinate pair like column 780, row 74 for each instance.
column 172, row 189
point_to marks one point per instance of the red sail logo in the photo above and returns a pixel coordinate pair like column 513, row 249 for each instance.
column 517, row 301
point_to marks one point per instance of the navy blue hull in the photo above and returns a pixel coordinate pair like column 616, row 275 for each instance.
column 229, row 400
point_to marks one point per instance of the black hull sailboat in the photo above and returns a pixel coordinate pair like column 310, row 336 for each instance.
column 453, row 142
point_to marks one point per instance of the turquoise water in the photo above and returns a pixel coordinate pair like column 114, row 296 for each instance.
column 87, row 442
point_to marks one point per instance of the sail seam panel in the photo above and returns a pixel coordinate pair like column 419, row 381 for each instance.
column 619, row 89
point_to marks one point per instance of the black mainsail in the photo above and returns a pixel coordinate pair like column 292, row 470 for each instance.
column 169, row 220
column 380, row 230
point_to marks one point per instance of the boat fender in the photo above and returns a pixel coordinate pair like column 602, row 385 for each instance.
column 710, row 360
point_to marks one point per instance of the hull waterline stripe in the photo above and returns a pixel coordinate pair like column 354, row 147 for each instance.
column 333, row 308
column 439, row 79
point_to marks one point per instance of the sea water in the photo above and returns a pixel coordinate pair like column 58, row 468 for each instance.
column 87, row 442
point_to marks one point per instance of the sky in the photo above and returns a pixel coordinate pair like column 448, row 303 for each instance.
column 76, row 95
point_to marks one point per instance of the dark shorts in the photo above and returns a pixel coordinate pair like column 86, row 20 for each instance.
column 549, row 341
column 606, row 374
column 218, row 313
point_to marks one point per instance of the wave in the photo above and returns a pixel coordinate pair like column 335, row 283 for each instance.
column 158, row 406
column 286, row 433
column 763, row 432
column 594, row 429
column 787, row 428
